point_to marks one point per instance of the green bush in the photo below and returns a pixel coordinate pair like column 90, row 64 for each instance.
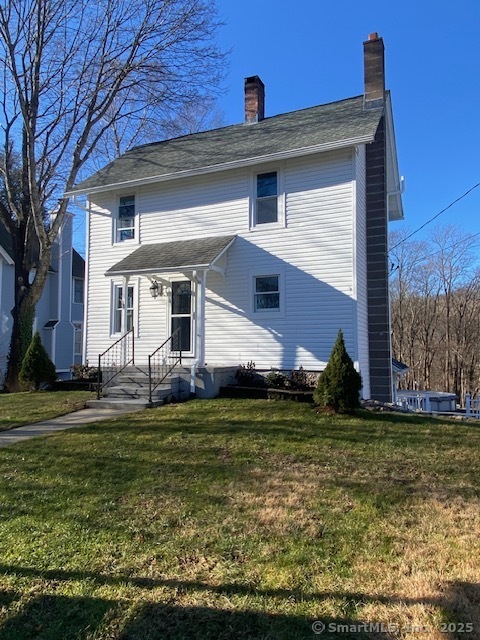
column 339, row 384
column 276, row 379
column 37, row 368
column 246, row 374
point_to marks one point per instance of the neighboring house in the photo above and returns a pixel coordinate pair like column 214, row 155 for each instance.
column 262, row 239
column 59, row 312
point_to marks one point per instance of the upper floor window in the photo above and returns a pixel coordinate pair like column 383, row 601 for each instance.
column 266, row 203
column 78, row 290
column 125, row 221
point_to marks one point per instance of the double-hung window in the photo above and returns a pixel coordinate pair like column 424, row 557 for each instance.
column 266, row 201
column 78, row 345
column 123, row 308
column 125, row 222
column 266, row 293
column 78, row 290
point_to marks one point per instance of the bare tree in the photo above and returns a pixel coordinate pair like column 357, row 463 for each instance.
column 435, row 296
column 73, row 74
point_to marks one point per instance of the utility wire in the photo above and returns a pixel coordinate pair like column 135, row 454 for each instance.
column 436, row 216
column 394, row 267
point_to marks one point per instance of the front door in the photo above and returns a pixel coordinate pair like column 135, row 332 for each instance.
column 182, row 315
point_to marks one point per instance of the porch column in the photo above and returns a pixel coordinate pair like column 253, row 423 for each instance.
column 201, row 278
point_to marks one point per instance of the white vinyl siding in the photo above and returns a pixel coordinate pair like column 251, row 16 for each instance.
column 313, row 251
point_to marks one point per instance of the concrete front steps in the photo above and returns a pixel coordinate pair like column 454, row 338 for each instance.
column 130, row 390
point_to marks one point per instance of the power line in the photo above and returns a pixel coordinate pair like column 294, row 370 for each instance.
column 394, row 267
column 436, row 216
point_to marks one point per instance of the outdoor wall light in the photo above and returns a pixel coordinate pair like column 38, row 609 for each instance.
column 156, row 289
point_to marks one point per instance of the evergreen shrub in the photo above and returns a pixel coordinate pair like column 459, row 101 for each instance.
column 339, row 385
column 37, row 368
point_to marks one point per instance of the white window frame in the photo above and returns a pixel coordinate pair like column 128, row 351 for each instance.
column 116, row 217
column 75, row 280
column 267, row 313
column 116, row 285
column 78, row 330
column 193, row 313
column 281, row 218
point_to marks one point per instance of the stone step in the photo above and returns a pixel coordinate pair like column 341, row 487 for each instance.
column 137, row 379
column 137, row 392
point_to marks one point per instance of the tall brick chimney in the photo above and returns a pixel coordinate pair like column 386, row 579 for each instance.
column 374, row 65
column 254, row 100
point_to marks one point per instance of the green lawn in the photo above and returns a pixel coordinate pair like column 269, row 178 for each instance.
column 238, row 519
column 17, row 409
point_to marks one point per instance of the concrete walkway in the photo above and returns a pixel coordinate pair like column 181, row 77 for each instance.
column 69, row 421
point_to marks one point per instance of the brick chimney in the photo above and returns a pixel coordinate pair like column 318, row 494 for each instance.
column 254, row 100
column 374, row 65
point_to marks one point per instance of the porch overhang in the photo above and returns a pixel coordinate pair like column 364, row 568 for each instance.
column 170, row 257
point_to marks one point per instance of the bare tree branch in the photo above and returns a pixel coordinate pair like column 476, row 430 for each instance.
column 80, row 78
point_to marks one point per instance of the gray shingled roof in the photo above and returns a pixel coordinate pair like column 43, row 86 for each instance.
column 172, row 256
column 329, row 125
column 78, row 265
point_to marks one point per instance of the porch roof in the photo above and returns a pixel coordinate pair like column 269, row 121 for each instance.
column 182, row 255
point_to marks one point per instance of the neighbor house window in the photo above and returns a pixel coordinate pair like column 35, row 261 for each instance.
column 266, row 293
column 78, row 338
column 78, row 290
column 123, row 308
column 266, row 202
column 125, row 218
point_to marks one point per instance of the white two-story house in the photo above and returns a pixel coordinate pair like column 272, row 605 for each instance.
column 257, row 241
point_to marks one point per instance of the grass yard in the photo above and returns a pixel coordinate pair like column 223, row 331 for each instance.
column 18, row 409
column 241, row 519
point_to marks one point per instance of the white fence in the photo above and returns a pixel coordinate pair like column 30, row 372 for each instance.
column 418, row 402
column 428, row 401
column 472, row 406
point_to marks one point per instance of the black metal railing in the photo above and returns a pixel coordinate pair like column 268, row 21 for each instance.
column 115, row 359
column 163, row 360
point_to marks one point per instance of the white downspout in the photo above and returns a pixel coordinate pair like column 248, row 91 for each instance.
column 87, row 211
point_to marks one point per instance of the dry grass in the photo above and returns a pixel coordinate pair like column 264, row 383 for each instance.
column 242, row 520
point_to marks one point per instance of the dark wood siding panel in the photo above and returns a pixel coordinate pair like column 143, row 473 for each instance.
column 377, row 270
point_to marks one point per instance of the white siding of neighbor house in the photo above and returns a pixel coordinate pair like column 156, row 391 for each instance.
column 313, row 252
column 361, row 270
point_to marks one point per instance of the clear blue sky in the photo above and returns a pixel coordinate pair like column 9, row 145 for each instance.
column 310, row 52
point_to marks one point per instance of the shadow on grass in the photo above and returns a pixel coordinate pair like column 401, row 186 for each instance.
column 49, row 617
column 55, row 617
column 169, row 622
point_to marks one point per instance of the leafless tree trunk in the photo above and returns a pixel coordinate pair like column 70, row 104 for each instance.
column 73, row 74
column 435, row 294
